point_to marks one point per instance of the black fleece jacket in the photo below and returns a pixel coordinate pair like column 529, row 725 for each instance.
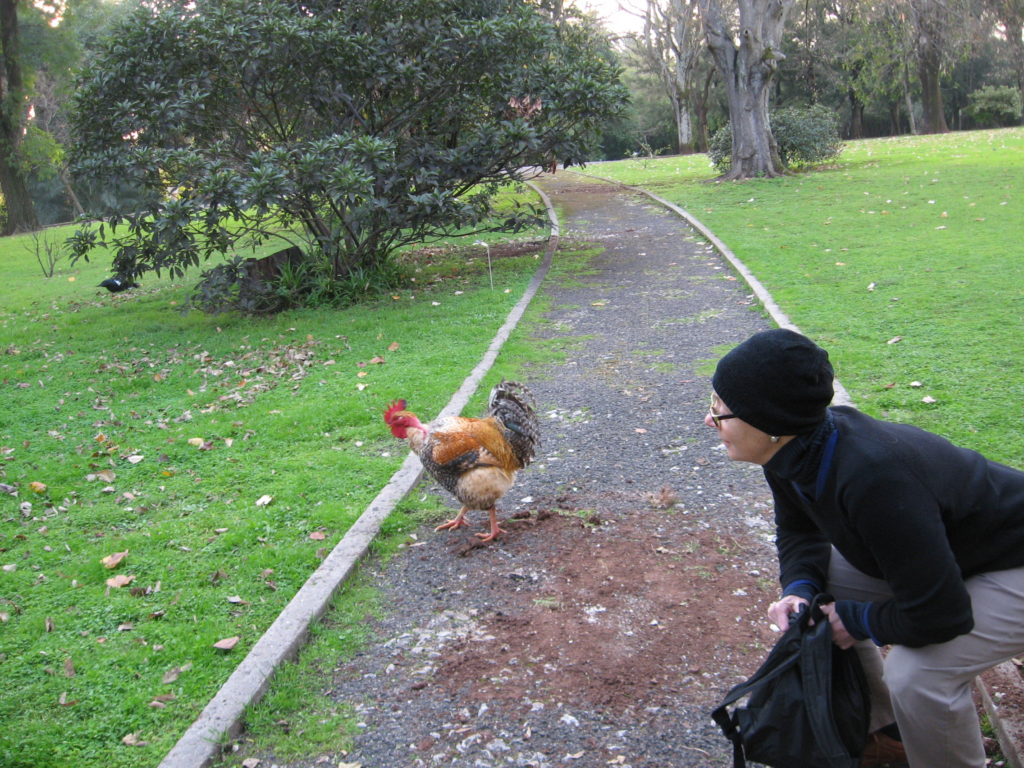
column 900, row 504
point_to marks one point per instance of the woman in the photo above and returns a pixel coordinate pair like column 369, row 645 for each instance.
column 920, row 541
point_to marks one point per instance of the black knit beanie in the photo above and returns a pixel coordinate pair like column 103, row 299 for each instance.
column 777, row 381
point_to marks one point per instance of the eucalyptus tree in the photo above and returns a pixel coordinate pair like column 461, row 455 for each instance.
column 350, row 126
column 671, row 47
column 747, row 49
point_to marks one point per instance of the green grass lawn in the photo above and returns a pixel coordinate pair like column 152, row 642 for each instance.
column 919, row 239
column 216, row 459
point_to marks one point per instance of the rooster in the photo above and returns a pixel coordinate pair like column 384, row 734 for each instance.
column 474, row 459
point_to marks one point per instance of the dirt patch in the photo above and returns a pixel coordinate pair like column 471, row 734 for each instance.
column 616, row 613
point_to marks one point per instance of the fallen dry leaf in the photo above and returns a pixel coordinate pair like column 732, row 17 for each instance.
column 121, row 580
column 895, row 340
column 69, row 668
column 133, row 740
column 928, row 399
column 392, row 346
column 174, row 673
column 264, row 500
column 227, row 643
column 198, row 442
column 135, row 458
column 114, row 560
column 318, row 535
column 37, row 487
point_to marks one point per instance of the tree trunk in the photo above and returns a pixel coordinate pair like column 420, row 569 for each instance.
column 895, row 129
column 69, row 193
column 684, row 127
column 700, row 108
column 747, row 70
column 21, row 215
column 906, row 97
column 933, row 112
column 856, row 117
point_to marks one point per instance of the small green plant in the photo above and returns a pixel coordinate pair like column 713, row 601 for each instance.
column 645, row 154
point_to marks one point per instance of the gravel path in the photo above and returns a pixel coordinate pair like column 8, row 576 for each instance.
column 629, row 593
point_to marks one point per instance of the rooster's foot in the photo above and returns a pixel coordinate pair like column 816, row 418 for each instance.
column 451, row 525
column 492, row 535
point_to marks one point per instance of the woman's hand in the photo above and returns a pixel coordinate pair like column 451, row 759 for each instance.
column 780, row 612
column 840, row 636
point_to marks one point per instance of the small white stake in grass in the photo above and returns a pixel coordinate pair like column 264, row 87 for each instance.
column 490, row 274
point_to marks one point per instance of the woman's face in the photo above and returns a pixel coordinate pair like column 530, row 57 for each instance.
column 742, row 441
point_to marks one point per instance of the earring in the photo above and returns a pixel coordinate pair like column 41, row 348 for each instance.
column 774, row 438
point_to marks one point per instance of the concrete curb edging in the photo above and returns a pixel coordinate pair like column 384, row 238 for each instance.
column 222, row 716
column 1007, row 720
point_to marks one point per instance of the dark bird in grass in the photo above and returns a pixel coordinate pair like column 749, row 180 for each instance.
column 117, row 284
column 474, row 459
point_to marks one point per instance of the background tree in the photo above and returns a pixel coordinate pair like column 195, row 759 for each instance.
column 354, row 126
column 21, row 215
column 942, row 32
column 671, row 47
column 1009, row 18
column 747, row 58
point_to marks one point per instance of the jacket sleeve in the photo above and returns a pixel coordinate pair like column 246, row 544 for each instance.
column 803, row 549
column 897, row 520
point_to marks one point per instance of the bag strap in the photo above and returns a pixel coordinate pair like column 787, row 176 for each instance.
column 774, row 665
column 816, row 675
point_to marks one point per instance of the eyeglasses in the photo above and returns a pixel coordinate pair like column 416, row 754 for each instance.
column 718, row 418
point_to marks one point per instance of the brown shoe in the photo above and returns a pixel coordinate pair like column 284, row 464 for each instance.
column 882, row 750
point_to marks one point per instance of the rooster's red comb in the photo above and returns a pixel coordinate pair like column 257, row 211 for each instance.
column 396, row 407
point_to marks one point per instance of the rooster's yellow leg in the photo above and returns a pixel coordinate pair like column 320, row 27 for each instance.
column 495, row 528
column 456, row 522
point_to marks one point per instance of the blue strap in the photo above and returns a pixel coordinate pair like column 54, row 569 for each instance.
column 823, row 468
column 826, row 463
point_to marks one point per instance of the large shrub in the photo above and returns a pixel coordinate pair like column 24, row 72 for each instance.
column 804, row 136
column 995, row 106
column 352, row 126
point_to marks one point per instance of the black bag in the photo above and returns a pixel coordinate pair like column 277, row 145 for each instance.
column 808, row 705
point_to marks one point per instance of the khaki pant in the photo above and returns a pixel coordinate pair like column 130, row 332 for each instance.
column 928, row 690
